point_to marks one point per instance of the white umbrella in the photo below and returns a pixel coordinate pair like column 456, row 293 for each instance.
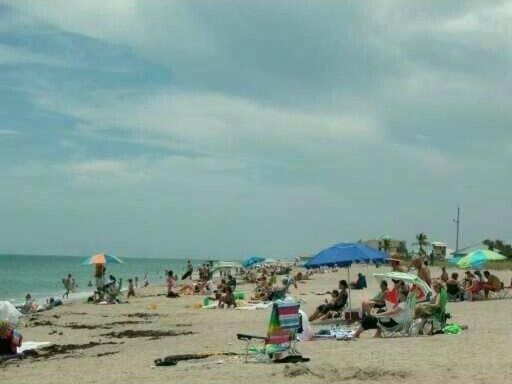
column 8, row 312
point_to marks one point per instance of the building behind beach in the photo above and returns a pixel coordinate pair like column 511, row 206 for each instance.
column 396, row 247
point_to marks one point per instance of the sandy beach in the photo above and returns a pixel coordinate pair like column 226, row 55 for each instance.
column 107, row 344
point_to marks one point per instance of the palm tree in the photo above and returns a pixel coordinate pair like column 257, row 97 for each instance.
column 385, row 245
column 422, row 242
column 490, row 244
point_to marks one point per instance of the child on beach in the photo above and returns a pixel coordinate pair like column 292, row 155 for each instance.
column 227, row 298
column 171, row 284
column 131, row 289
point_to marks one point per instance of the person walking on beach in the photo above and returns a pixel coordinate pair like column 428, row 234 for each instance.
column 67, row 282
column 131, row 289
column 189, row 271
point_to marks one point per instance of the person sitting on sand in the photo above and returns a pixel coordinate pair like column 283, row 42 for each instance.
column 231, row 282
column 444, row 275
column 454, row 288
column 262, row 291
column 472, row 286
column 131, row 288
column 337, row 303
column 425, row 310
column 378, row 301
column 171, row 284
column 360, row 283
column 492, row 284
column 227, row 298
column 52, row 303
column 387, row 319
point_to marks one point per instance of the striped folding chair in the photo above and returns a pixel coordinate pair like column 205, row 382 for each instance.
column 283, row 327
column 404, row 327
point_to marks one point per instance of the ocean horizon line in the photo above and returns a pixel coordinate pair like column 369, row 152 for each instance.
column 122, row 257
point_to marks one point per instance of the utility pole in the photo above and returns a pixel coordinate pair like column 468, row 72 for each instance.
column 457, row 221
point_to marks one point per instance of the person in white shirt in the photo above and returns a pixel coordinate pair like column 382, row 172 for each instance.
column 387, row 319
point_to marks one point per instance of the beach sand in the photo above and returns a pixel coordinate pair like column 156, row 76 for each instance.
column 479, row 355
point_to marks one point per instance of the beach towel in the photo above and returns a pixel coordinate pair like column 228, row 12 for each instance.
column 33, row 345
column 250, row 307
column 452, row 329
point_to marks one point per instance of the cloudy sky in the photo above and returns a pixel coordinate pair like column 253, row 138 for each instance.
column 227, row 128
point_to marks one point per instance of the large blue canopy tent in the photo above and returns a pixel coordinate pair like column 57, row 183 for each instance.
column 343, row 255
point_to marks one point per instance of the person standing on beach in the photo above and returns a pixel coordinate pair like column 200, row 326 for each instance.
column 189, row 271
column 423, row 271
column 99, row 276
column 131, row 289
column 67, row 282
column 136, row 281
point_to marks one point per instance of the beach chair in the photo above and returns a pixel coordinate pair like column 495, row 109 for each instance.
column 438, row 319
column 503, row 293
column 284, row 325
column 404, row 327
column 114, row 292
column 435, row 323
column 455, row 293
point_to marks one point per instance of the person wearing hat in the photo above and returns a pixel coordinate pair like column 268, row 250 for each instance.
column 395, row 265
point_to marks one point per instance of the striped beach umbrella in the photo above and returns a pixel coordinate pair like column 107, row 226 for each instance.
column 102, row 258
column 479, row 258
column 419, row 285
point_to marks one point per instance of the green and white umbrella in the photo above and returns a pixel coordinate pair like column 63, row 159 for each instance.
column 406, row 277
column 479, row 258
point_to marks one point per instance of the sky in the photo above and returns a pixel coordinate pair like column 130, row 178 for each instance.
column 226, row 129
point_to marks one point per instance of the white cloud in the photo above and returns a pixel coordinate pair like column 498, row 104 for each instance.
column 216, row 124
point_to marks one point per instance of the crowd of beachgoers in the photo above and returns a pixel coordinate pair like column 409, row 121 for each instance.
column 399, row 302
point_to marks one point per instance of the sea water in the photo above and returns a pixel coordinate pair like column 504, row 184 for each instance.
column 41, row 276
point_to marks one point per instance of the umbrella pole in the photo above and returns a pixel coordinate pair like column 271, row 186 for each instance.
column 349, row 292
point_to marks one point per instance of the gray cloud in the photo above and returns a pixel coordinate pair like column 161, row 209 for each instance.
column 319, row 121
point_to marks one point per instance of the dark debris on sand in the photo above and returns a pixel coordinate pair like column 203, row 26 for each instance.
column 41, row 323
column 142, row 315
column 152, row 334
column 60, row 349
column 103, row 326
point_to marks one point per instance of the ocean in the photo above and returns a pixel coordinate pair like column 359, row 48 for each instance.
column 41, row 276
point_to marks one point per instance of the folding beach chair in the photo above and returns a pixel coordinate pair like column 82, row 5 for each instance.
column 439, row 318
column 404, row 327
column 284, row 325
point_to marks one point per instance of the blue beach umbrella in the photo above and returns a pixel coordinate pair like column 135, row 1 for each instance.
column 343, row 255
column 248, row 263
